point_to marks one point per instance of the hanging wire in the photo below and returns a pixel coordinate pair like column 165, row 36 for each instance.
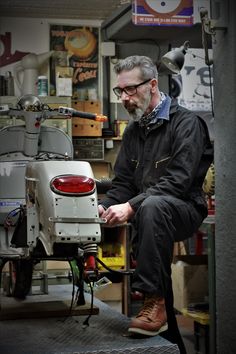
column 211, row 92
column 73, row 290
column 76, row 281
column 86, row 321
column 208, row 61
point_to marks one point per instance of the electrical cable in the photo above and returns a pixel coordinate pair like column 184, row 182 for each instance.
column 86, row 321
column 211, row 92
column 208, row 61
column 113, row 270
column 73, row 291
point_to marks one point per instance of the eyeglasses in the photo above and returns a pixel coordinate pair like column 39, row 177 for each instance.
column 129, row 90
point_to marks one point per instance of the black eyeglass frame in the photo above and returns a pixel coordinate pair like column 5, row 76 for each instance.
column 121, row 90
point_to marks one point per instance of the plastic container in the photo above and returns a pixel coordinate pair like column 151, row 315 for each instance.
column 42, row 86
column 9, row 84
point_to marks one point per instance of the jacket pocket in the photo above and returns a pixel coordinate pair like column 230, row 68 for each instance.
column 156, row 170
column 159, row 167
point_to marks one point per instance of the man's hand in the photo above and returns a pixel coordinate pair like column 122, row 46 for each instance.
column 116, row 214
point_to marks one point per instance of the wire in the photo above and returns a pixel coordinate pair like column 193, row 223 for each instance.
column 113, row 270
column 73, row 290
column 74, row 275
column 86, row 321
column 211, row 92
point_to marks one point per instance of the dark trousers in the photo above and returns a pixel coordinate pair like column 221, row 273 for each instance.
column 159, row 222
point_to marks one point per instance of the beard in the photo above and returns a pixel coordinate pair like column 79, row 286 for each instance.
column 136, row 112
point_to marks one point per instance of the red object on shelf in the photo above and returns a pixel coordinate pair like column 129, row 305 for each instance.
column 199, row 242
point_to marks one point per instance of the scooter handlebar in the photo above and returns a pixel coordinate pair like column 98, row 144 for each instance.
column 74, row 113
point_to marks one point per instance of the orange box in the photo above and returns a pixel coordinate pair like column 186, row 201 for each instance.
column 86, row 127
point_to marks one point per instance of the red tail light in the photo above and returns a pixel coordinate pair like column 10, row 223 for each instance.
column 72, row 185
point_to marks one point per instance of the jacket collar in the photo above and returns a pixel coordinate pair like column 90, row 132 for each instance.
column 174, row 106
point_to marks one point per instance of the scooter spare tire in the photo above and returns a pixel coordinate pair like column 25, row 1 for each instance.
column 21, row 272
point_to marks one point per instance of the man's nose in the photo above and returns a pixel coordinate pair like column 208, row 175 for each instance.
column 124, row 96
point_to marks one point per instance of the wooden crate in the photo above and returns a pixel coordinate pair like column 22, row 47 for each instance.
column 92, row 106
column 87, row 106
column 86, row 127
column 78, row 105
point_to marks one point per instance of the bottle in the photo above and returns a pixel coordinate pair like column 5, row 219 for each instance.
column 9, row 84
column 42, row 85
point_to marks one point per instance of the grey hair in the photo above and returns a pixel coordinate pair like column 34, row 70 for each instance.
column 147, row 68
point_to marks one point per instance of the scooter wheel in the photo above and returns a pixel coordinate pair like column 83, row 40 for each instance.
column 21, row 272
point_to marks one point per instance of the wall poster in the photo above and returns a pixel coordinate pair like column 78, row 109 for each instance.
column 162, row 13
column 75, row 57
column 196, row 82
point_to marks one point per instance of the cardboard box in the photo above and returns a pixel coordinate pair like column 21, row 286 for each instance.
column 111, row 292
column 190, row 283
column 58, row 265
column 64, row 71
column 86, row 127
column 101, row 169
column 63, row 86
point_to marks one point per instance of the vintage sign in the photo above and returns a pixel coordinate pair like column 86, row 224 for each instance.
column 162, row 13
column 75, row 57
column 197, row 81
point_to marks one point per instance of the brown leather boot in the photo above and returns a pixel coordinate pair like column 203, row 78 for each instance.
column 152, row 318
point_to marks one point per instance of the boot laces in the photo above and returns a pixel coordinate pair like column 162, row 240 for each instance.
column 150, row 307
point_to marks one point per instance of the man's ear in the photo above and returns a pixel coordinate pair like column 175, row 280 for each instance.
column 154, row 83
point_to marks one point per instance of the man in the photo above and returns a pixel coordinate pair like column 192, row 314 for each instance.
column 159, row 172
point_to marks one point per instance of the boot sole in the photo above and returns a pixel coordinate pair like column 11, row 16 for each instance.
column 134, row 330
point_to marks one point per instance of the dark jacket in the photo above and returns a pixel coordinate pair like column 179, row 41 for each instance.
column 171, row 157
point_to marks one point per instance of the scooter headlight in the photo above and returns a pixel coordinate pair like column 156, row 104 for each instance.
column 73, row 185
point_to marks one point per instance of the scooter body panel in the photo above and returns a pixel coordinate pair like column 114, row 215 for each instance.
column 62, row 218
column 51, row 140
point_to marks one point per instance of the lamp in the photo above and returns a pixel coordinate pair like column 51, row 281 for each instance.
column 173, row 61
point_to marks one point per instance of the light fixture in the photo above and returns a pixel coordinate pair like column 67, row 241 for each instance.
column 173, row 61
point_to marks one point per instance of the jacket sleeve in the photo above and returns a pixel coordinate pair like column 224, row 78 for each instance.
column 123, row 187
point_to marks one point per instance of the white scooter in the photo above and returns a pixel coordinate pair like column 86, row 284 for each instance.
column 48, row 202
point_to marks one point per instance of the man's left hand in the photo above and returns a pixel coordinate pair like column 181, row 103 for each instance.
column 118, row 214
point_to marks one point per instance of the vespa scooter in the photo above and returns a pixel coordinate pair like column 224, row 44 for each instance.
column 48, row 201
